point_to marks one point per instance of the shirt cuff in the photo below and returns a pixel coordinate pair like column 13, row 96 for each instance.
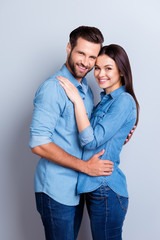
column 86, row 136
column 38, row 140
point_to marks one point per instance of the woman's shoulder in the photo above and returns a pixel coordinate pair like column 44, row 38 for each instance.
column 125, row 100
column 126, row 97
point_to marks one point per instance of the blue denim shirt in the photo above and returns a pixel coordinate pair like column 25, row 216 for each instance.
column 54, row 121
column 111, row 121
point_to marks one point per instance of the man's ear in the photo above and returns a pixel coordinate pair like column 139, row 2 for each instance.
column 68, row 48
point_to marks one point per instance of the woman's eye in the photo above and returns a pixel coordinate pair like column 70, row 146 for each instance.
column 108, row 68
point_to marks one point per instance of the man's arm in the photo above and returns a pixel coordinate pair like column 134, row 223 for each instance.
column 93, row 167
column 48, row 106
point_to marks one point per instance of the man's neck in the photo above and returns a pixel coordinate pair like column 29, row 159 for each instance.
column 78, row 79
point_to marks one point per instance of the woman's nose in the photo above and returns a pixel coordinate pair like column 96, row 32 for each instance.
column 101, row 73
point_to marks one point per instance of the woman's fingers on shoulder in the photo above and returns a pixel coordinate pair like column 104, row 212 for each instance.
column 61, row 78
column 65, row 81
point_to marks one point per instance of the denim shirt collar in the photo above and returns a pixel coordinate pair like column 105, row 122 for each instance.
column 113, row 94
column 82, row 86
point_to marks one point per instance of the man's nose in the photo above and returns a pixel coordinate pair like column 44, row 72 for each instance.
column 85, row 61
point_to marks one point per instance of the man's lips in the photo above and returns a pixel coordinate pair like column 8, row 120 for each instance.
column 81, row 68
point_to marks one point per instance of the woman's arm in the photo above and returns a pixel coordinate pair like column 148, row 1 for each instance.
column 80, row 111
column 105, row 129
column 122, row 111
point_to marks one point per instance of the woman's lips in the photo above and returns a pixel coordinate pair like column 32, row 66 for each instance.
column 102, row 81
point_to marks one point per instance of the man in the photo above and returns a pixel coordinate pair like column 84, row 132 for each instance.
column 54, row 137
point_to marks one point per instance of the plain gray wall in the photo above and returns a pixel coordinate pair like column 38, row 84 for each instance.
column 33, row 39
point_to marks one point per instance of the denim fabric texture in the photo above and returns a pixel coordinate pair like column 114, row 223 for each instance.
column 107, row 211
column 111, row 121
column 60, row 221
column 78, row 215
column 54, row 121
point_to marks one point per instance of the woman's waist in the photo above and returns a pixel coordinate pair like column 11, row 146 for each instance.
column 108, row 155
column 117, row 178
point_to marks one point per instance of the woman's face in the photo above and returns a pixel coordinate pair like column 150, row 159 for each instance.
column 107, row 73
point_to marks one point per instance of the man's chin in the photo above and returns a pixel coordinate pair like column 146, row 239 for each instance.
column 81, row 75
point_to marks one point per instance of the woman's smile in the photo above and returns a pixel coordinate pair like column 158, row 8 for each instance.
column 107, row 73
column 103, row 80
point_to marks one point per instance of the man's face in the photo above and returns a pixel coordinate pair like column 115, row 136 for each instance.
column 81, row 59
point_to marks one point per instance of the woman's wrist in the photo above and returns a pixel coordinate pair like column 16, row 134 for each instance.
column 78, row 101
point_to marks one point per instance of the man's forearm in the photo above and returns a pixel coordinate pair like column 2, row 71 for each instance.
column 55, row 154
column 93, row 167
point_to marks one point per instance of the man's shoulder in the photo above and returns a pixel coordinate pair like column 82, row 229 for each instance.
column 51, row 83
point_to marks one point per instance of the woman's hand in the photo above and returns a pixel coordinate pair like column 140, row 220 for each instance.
column 70, row 89
column 79, row 108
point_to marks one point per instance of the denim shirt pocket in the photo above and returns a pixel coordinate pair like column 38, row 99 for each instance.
column 97, row 117
column 70, row 119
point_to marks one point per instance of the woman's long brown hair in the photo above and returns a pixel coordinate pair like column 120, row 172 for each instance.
column 118, row 54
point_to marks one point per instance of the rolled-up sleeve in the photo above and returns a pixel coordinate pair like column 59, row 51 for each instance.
column 86, row 136
column 48, row 106
column 109, row 124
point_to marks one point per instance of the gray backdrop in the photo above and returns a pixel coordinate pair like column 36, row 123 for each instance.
column 33, row 39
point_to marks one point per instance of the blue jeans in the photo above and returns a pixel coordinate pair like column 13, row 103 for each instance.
column 107, row 212
column 61, row 222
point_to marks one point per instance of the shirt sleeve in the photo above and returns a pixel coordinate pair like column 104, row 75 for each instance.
column 109, row 124
column 48, row 105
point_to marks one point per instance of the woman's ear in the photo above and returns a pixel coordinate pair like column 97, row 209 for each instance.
column 121, row 74
column 68, row 48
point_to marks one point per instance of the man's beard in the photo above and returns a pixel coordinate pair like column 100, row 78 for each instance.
column 72, row 66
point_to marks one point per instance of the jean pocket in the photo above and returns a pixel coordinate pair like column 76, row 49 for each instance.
column 123, row 202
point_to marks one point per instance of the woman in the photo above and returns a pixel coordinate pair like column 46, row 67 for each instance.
column 112, row 120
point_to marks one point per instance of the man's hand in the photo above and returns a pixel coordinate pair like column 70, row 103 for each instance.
column 98, row 167
column 130, row 135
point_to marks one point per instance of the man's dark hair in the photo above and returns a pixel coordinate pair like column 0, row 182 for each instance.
column 90, row 34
